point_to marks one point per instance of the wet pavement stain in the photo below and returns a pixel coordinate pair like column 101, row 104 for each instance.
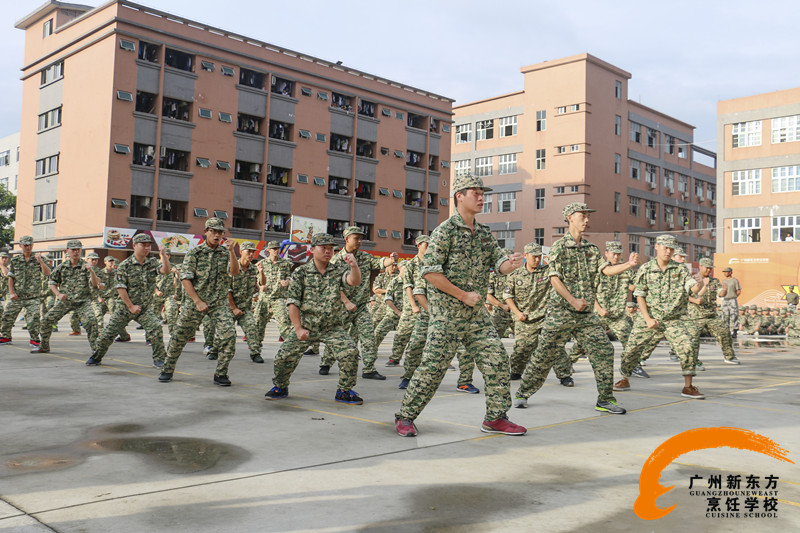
column 34, row 463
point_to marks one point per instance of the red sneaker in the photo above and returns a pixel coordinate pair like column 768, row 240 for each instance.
column 502, row 425
column 405, row 428
column 191, row 340
column 74, row 333
column 5, row 340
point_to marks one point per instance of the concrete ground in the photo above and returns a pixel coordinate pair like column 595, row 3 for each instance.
column 109, row 448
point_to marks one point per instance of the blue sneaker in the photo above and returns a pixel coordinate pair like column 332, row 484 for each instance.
column 348, row 396
column 469, row 388
column 403, row 384
column 276, row 393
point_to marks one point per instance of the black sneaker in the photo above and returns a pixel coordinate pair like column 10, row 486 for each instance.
column 39, row 349
column 639, row 372
column 212, row 356
column 120, row 339
column 348, row 396
column 373, row 375
column 222, row 381
column 403, row 384
column 310, row 351
column 158, row 364
column 567, row 382
column 324, row 369
column 610, row 407
column 514, row 376
column 93, row 361
column 257, row 358
column 165, row 377
column 276, row 393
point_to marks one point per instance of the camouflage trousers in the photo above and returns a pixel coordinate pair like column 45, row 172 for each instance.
column 337, row 339
column 717, row 329
column 402, row 334
column 265, row 309
column 466, row 365
column 644, row 340
column 209, row 332
column 730, row 314
column 158, row 305
column 248, row 324
column 378, row 313
column 620, row 327
column 109, row 306
column 84, row 311
column 559, row 325
column 120, row 318
column 478, row 335
column 188, row 322
column 31, row 306
column 526, row 339
column 416, row 344
column 172, row 307
column 502, row 320
column 75, row 322
column 359, row 324
column 386, row 325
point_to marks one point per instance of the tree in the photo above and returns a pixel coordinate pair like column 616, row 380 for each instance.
column 8, row 212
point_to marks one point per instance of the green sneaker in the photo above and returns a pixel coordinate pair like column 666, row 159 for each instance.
column 610, row 407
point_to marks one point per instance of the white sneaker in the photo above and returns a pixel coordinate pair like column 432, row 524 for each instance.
column 733, row 361
column 520, row 403
column 206, row 349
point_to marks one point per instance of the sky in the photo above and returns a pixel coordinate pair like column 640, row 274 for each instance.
column 684, row 56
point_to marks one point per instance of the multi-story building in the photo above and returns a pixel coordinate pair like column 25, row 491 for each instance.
column 572, row 135
column 151, row 121
column 9, row 162
column 759, row 193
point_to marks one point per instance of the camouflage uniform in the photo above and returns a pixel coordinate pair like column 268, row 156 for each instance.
column 163, row 284
column 379, row 309
column 28, row 278
column 705, row 315
column 750, row 322
column 579, row 266
column 243, row 287
column 75, row 283
column 272, row 300
column 172, row 305
column 465, row 258
column 207, row 269
column 419, row 335
column 110, row 301
column 139, row 280
column 667, row 296
column 765, row 326
column 317, row 297
column 395, row 294
column 405, row 324
column 3, row 288
column 793, row 326
column 503, row 320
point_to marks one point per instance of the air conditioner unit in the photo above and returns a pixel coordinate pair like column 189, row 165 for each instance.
column 651, row 222
column 671, row 190
column 257, row 167
column 652, row 185
column 144, row 201
column 686, row 196
column 670, row 225
column 699, row 198
column 713, row 201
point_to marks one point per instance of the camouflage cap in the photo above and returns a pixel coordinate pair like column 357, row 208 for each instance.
column 679, row 251
column 142, row 237
column 753, row 307
column 575, row 207
column 5, row 254
column 706, row 262
column 783, row 312
column 352, row 230
column 631, row 304
column 667, row 240
column 742, row 308
column 109, row 259
column 215, row 223
column 533, row 248
column 615, row 247
column 727, row 269
column 74, row 244
column 760, row 309
column 26, row 239
column 113, row 259
column 422, row 238
column 246, row 245
column 468, row 181
column 321, row 239
column 273, row 245
column 92, row 255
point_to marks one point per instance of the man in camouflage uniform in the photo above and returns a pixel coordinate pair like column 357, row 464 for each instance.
column 73, row 283
column 525, row 293
column 272, row 294
column 25, row 276
column 575, row 269
column 703, row 314
column 416, row 344
column 359, row 322
column 379, row 309
column 5, row 257
column 240, row 298
column 460, row 255
column 205, row 277
column 501, row 315
column 103, row 303
column 394, row 300
column 751, row 321
column 410, row 308
column 162, row 291
column 135, row 282
column 662, row 290
column 314, row 304
column 793, row 328
column 766, row 321
column 172, row 304
column 729, row 304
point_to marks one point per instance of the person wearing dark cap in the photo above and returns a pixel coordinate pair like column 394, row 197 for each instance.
column 662, row 290
column 703, row 314
column 72, row 283
column 313, row 300
column 575, row 269
column 135, row 282
column 26, row 273
column 205, row 277
column 730, row 302
column 460, row 255
column 272, row 294
column 240, row 297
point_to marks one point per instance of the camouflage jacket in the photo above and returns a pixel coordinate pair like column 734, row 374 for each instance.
column 3, row 286
column 75, row 282
column 367, row 263
column 28, row 276
column 410, row 273
column 465, row 258
column 579, row 267
column 612, row 294
column 275, row 272
column 529, row 291
column 381, row 282
column 421, row 285
column 667, row 292
column 109, row 281
column 792, row 325
column 317, row 295
column 245, row 286
column 707, row 309
column 207, row 269
column 395, row 292
column 166, row 284
column 749, row 323
column 138, row 279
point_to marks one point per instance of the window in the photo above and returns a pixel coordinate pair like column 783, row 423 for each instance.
column 633, row 244
column 561, row 149
column 745, row 134
column 397, row 194
column 144, row 154
column 561, row 230
column 227, row 71
column 506, row 239
column 119, row 203
column 414, row 159
column 171, row 211
column 698, row 189
column 278, row 176
column 541, row 120
column 363, row 189
column 122, row 149
column 414, row 198
column 651, row 174
column 746, row 230
column 127, row 45
column 561, row 110
column 248, row 171
column 282, row 86
column 319, row 182
column 683, row 218
column 539, row 198
column 383, row 233
column 398, row 115
column 575, row 107
column 506, row 202
column 244, row 218
column 559, row 190
column 225, row 117
column 338, row 186
column 683, row 184
column 652, row 137
column 146, row 102
column 411, row 236
column 669, row 181
column 419, row 122
column 5, row 158
column 698, row 220
column 507, row 164
column 669, row 144
column 44, row 213
column 538, row 236
column 617, row 125
column 785, row 229
column 251, row 78
column 669, row 216
column 636, row 132
column 386, row 112
column 47, row 165
column 200, row 212
column 221, row 214
column 148, row 51
column 322, row 95
column 396, row 234
column 463, row 133
column 51, row 119
column 635, row 203
column 383, row 191
column 304, row 134
column 444, row 201
column 508, row 126
column 434, row 125
column 341, row 101
column 651, row 210
column 277, row 222
column 283, row 131
column 52, row 73
column 125, row 96
column 745, row 182
column 47, row 28
column 786, row 129
column 336, row 227
column 540, row 159
column 249, row 124
column 636, row 167
column 483, row 166
column 179, row 60
column 683, row 151
column 302, row 178
column 618, row 89
column 575, row 148
column 366, row 108
column 321, row 137
column 785, row 179
column 617, row 200
column 223, row 165
column 573, row 188
column 340, row 143
column 208, row 66
column 446, row 128
column 173, row 159
column 618, row 164
column 140, row 206
column 650, row 244
column 484, row 130
column 463, row 167
column 487, row 203
column 176, row 109
column 305, row 91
